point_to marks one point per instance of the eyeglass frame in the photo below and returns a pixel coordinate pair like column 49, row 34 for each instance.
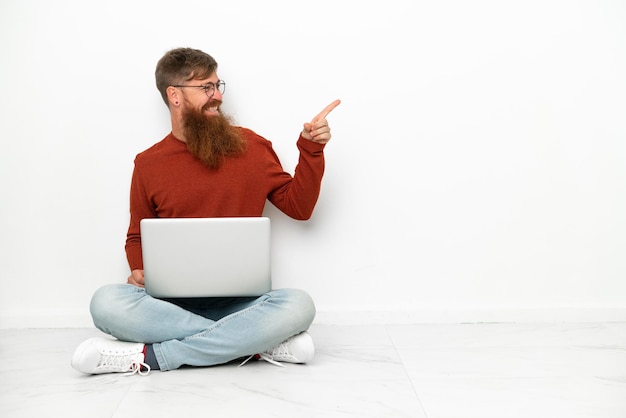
column 210, row 85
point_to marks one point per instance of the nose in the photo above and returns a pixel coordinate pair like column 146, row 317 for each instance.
column 217, row 95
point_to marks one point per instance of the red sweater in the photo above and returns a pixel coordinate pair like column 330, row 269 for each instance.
column 169, row 182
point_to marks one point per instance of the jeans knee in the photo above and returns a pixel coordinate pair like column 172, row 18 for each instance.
column 101, row 303
column 301, row 307
column 107, row 302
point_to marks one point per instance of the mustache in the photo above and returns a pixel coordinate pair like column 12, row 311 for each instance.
column 212, row 103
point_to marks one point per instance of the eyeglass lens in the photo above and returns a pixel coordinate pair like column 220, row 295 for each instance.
column 209, row 88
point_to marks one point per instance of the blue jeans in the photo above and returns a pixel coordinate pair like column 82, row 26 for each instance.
column 202, row 331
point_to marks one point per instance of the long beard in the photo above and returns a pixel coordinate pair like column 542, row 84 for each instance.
column 213, row 138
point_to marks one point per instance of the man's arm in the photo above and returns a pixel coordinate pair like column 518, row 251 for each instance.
column 297, row 197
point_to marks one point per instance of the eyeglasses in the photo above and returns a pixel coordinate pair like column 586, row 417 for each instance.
column 209, row 88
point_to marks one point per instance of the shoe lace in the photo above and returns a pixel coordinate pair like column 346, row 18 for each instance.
column 137, row 368
column 270, row 359
column 262, row 356
column 279, row 351
column 121, row 362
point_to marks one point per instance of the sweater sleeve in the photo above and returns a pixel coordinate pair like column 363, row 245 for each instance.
column 140, row 208
column 297, row 196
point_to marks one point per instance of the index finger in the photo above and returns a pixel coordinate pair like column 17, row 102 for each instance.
column 327, row 110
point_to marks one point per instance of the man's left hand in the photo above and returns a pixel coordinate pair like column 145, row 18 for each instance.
column 318, row 130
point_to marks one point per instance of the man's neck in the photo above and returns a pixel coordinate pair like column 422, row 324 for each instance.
column 177, row 128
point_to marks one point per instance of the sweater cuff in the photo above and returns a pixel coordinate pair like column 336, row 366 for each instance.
column 310, row 146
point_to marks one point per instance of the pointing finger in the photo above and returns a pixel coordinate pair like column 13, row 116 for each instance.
column 327, row 110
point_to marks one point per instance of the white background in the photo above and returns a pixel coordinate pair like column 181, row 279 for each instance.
column 476, row 173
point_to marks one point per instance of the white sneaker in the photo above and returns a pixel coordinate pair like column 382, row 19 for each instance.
column 297, row 349
column 103, row 355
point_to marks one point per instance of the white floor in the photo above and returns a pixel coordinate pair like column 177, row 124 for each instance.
column 472, row 370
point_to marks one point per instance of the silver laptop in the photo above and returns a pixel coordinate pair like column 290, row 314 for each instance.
column 206, row 257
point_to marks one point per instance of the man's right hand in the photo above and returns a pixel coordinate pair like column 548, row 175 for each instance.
column 136, row 278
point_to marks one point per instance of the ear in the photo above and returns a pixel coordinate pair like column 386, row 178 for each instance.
column 173, row 96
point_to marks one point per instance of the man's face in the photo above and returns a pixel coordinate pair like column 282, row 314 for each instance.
column 209, row 134
column 197, row 97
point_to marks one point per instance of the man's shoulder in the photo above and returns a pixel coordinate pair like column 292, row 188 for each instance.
column 163, row 147
column 254, row 138
column 249, row 133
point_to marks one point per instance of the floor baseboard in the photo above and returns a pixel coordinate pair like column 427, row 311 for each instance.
column 367, row 316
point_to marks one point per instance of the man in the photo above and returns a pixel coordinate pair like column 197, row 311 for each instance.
column 205, row 167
